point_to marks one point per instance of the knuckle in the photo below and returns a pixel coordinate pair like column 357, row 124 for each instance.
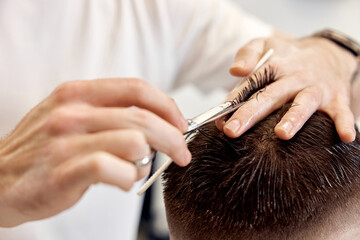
column 278, row 42
column 67, row 91
column 251, row 47
column 57, row 121
column 143, row 116
column 254, row 43
column 58, row 180
column 330, row 111
column 137, row 87
column 313, row 95
column 61, row 148
column 341, row 99
column 136, row 138
column 96, row 163
column 137, row 145
column 62, row 120
column 304, row 74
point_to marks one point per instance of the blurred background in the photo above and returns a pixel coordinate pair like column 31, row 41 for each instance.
column 296, row 17
column 303, row 17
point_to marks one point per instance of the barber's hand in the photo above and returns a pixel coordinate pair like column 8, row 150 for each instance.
column 85, row 132
column 314, row 73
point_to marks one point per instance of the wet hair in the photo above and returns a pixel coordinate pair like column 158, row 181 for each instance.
column 258, row 186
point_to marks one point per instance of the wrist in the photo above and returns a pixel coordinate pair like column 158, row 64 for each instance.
column 341, row 39
column 346, row 43
column 347, row 56
column 343, row 61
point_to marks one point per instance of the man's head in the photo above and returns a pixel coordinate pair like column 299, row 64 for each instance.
column 260, row 187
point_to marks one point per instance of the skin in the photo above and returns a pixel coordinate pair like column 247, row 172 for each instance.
column 85, row 132
column 313, row 72
column 82, row 134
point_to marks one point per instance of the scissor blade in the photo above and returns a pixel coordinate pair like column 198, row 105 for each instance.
column 211, row 115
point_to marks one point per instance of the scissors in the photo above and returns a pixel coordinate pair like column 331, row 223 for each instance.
column 211, row 115
column 196, row 122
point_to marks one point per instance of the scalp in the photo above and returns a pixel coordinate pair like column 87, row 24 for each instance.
column 260, row 184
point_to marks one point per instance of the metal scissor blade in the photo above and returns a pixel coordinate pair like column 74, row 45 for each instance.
column 212, row 114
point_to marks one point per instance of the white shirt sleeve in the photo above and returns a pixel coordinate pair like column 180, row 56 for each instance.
column 208, row 33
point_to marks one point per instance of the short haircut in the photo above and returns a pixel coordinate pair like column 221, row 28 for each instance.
column 258, row 186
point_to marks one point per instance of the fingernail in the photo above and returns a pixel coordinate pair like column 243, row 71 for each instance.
column 239, row 64
column 351, row 133
column 233, row 126
column 287, row 127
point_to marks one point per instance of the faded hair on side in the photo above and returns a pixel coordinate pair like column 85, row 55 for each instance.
column 258, row 186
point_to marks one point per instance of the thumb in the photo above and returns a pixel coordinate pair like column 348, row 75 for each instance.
column 247, row 58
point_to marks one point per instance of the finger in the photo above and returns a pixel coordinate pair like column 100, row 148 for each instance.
column 144, row 170
column 238, row 90
column 304, row 105
column 264, row 103
column 122, row 93
column 343, row 118
column 126, row 144
column 158, row 133
column 247, row 58
column 161, row 135
column 78, row 174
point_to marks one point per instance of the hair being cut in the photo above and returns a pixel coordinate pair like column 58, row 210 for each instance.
column 258, row 186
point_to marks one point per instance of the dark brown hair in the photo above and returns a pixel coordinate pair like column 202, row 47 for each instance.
column 258, row 186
